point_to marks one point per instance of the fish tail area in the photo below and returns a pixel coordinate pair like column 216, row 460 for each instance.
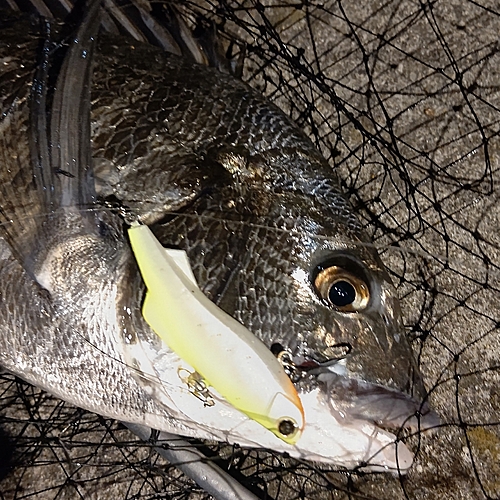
column 47, row 157
column 158, row 23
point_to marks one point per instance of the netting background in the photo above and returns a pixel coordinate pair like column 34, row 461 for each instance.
column 403, row 98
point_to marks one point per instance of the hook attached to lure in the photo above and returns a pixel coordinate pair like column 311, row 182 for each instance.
column 225, row 353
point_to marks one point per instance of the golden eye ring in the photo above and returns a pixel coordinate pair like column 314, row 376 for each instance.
column 341, row 289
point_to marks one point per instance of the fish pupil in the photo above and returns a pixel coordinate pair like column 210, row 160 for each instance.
column 342, row 293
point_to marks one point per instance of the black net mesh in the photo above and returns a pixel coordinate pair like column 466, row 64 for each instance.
column 403, row 98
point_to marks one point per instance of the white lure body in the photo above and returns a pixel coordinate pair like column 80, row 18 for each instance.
column 226, row 354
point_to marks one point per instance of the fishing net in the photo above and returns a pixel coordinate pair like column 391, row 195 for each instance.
column 403, row 98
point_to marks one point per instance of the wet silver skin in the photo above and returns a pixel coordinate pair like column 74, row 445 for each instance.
column 224, row 175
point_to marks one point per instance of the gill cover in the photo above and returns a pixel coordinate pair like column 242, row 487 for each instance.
column 225, row 353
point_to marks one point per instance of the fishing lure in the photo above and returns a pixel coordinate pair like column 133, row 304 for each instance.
column 227, row 355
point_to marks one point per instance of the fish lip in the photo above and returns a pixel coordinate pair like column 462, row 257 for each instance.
column 384, row 406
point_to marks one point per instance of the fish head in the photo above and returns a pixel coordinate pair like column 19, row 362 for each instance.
column 349, row 335
column 308, row 283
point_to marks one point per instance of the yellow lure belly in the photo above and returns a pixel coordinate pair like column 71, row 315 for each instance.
column 225, row 353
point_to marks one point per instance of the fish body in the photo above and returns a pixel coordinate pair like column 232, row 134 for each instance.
column 224, row 175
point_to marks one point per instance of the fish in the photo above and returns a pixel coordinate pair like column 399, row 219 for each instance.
column 224, row 175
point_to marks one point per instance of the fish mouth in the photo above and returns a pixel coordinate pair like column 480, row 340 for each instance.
column 354, row 398
column 385, row 407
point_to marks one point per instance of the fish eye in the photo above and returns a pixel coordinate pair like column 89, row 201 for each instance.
column 341, row 289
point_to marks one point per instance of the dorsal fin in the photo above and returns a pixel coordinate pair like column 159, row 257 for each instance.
column 159, row 23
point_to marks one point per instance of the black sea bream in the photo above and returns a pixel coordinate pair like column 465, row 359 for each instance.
column 219, row 172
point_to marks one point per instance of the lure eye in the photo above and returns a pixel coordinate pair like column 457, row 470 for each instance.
column 287, row 428
column 341, row 289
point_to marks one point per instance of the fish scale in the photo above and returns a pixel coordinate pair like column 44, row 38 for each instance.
column 239, row 118
column 272, row 292
column 47, row 327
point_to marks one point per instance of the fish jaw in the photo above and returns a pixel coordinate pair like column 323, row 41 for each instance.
column 328, row 436
column 384, row 406
column 356, row 443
